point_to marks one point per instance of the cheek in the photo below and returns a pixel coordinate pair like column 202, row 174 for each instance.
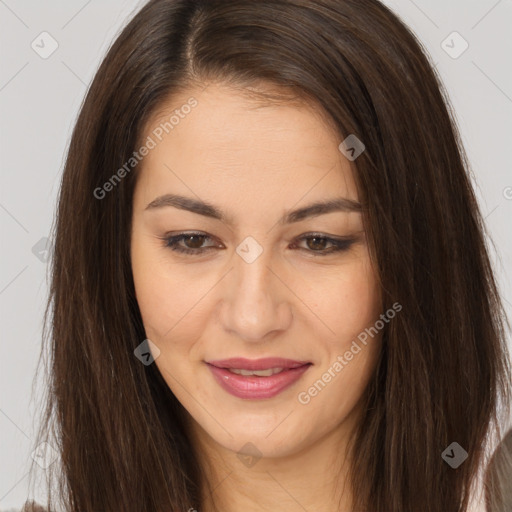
column 347, row 301
column 352, row 306
column 349, row 355
column 166, row 296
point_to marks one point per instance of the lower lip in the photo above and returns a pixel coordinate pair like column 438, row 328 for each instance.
column 251, row 387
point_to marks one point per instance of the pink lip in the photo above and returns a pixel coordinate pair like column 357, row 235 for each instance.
column 251, row 386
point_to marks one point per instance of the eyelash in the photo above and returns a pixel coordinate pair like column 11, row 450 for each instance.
column 338, row 245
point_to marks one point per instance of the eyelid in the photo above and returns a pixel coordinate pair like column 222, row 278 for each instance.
column 319, row 234
column 338, row 244
column 176, row 237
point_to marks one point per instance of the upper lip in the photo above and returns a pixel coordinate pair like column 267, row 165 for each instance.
column 265, row 363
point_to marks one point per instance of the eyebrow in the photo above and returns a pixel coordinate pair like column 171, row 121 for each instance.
column 340, row 204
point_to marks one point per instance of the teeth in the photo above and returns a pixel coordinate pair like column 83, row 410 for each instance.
column 258, row 373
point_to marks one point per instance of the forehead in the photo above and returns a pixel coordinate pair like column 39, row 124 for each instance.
column 232, row 140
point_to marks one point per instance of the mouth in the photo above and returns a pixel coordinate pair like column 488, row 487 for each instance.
column 256, row 379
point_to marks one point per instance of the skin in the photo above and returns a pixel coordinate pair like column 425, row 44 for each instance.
column 257, row 161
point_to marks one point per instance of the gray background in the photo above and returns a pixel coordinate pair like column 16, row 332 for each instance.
column 39, row 101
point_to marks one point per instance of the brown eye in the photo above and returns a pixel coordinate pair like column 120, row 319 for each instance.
column 316, row 243
column 190, row 243
column 194, row 241
column 321, row 245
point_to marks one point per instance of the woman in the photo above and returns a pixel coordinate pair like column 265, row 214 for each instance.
column 271, row 289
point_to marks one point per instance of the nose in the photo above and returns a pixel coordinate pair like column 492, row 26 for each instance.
column 256, row 304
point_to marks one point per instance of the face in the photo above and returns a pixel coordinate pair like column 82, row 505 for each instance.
column 235, row 272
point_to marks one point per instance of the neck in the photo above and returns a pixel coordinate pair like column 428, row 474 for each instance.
column 313, row 478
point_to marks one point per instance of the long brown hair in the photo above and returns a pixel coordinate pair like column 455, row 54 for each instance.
column 444, row 371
